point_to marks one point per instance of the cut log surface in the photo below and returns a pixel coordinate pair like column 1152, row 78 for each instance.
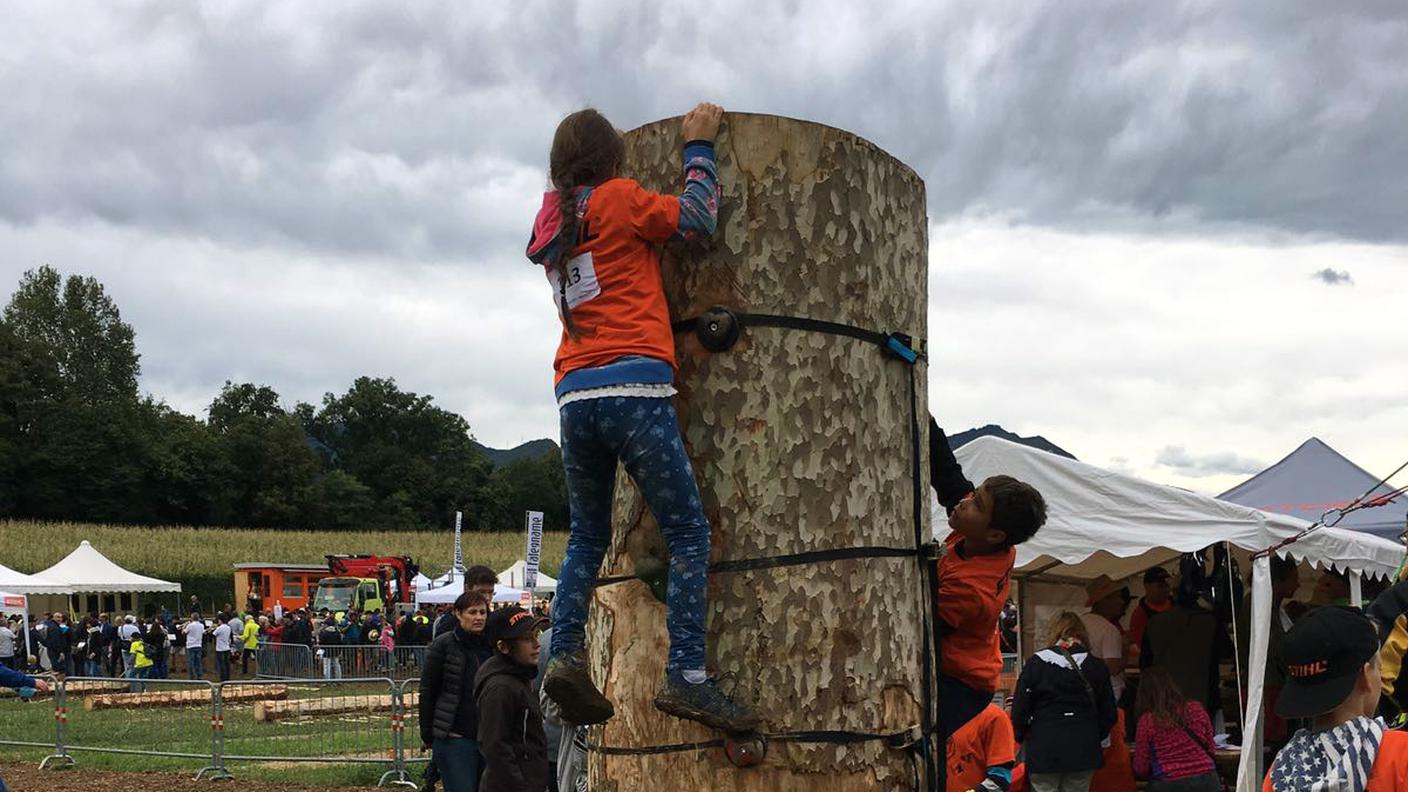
column 265, row 711
column 185, row 698
column 76, row 688
column 800, row 442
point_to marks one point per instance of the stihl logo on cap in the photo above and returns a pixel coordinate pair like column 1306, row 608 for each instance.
column 1301, row 670
column 518, row 617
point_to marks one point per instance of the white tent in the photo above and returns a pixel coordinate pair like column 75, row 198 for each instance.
column 87, row 571
column 1099, row 522
column 20, row 583
column 517, row 574
column 420, row 581
column 448, row 587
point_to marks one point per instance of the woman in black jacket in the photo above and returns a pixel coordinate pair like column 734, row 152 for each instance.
column 510, row 722
column 449, row 720
column 1063, row 710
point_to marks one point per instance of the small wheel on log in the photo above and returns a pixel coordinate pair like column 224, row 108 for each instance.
column 746, row 749
column 717, row 329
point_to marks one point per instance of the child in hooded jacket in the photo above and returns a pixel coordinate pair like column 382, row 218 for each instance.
column 597, row 237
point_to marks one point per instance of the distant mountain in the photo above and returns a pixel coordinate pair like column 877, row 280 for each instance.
column 529, row 450
column 993, row 430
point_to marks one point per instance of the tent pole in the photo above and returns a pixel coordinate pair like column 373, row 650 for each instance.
column 1236, row 655
column 1356, row 589
column 1249, row 767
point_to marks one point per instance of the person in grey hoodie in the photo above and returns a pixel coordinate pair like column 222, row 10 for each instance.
column 511, row 735
column 1333, row 678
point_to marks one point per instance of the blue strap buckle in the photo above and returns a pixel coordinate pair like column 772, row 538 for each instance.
column 899, row 345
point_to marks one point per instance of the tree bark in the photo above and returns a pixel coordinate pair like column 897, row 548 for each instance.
column 800, row 442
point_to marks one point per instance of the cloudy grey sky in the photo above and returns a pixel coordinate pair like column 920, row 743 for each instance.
column 1172, row 237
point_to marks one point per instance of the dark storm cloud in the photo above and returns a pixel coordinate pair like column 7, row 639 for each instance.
column 1219, row 463
column 1332, row 277
column 376, row 130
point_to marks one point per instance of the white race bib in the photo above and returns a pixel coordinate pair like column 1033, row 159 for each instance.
column 581, row 281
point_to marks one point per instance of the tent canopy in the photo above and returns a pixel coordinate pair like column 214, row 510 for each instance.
column 518, row 573
column 20, row 583
column 86, row 570
column 448, row 587
column 1315, row 478
column 1100, row 522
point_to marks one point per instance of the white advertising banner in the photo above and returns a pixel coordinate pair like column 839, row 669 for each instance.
column 535, row 549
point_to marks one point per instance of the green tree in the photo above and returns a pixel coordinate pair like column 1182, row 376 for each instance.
column 270, row 470
column 417, row 460
column 536, row 484
column 80, row 348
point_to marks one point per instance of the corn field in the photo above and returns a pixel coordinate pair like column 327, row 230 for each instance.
column 185, row 553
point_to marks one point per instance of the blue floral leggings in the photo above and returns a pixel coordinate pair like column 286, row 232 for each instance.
column 643, row 433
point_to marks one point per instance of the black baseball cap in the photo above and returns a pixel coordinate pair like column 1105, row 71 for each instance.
column 1155, row 575
column 506, row 624
column 1324, row 653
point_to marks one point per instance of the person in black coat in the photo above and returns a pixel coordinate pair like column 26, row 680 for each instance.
column 449, row 719
column 510, row 721
column 1063, row 710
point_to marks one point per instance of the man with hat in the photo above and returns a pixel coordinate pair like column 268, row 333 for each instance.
column 1333, row 678
column 1107, row 602
column 1157, row 599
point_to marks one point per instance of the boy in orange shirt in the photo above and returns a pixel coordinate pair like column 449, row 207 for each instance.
column 982, row 753
column 988, row 522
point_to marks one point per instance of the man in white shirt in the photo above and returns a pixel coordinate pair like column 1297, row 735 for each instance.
column 195, row 649
column 1107, row 602
column 7, row 645
column 124, row 637
column 222, row 647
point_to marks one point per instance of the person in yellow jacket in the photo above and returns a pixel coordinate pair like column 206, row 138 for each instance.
column 141, row 663
column 249, row 643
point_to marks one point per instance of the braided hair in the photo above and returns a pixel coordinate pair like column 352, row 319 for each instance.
column 586, row 150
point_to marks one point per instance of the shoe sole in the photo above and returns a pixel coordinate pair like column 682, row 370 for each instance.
column 581, row 705
column 680, row 709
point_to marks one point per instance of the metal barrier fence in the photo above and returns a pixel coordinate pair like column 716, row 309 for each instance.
column 270, row 722
column 296, row 661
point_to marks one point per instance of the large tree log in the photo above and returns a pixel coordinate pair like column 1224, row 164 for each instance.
column 185, row 698
column 800, row 442
column 336, row 705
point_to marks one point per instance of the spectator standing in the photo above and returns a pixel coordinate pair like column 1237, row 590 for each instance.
column 254, row 602
column 1173, row 743
column 158, row 648
column 125, row 634
column 1158, row 597
column 329, row 639
column 97, row 649
column 222, row 647
column 56, row 643
column 141, row 663
column 449, row 718
column 249, row 643
column 1107, row 602
column 511, row 735
column 7, row 645
column 195, row 645
column 194, row 607
column 1187, row 641
column 1063, row 710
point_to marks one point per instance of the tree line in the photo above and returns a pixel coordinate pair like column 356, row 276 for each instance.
column 79, row 442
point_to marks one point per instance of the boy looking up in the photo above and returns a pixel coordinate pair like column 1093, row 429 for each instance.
column 1333, row 679
column 988, row 522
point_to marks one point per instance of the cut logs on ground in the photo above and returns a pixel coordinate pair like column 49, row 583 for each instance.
column 268, row 711
column 185, row 698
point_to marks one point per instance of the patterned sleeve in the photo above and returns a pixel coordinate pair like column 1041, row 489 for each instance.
column 699, row 203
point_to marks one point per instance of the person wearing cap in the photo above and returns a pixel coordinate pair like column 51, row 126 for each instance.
column 511, row 736
column 1107, row 601
column 449, row 719
column 1157, row 599
column 1333, row 678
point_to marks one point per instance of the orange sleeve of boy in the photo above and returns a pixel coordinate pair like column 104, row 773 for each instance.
column 972, row 591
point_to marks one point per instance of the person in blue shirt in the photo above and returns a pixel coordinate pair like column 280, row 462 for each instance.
column 11, row 678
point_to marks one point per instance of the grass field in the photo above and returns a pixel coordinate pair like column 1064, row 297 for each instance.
column 201, row 559
column 359, row 745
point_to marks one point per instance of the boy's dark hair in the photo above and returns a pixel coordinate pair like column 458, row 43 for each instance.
column 477, row 575
column 1018, row 510
column 586, row 149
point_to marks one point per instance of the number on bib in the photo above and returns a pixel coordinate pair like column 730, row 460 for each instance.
column 581, row 281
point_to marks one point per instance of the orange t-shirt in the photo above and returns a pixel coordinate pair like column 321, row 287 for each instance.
column 983, row 742
column 1390, row 773
column 614, row 288
column 972, row 592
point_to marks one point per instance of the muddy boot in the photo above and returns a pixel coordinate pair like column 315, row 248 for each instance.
column 567, row 683
column 704, row 703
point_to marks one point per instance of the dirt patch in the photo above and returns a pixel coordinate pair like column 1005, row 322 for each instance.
column 25, row 777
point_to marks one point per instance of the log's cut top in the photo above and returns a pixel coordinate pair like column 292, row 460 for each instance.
column 814, row 222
